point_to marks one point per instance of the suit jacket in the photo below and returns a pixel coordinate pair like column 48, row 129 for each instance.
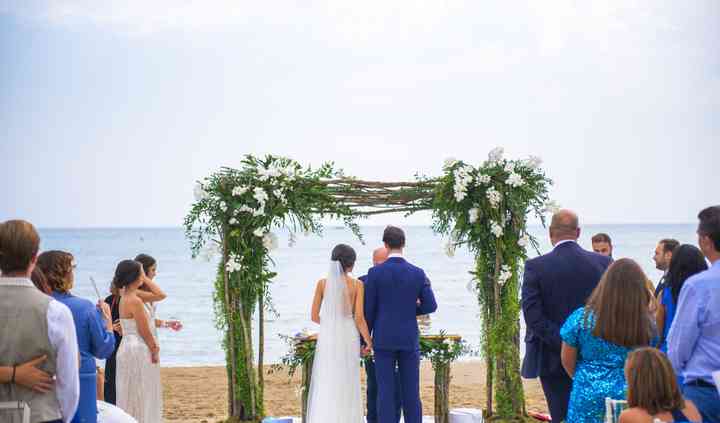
column 555, row 285
column 392, row 290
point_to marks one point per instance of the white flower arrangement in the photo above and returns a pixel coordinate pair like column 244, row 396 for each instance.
column 260, row 211
column 270, row 241
column 463, row 178
column 484, row 179
column 244, row 209
column 239, row 190
column 496, row 229
column 509, row 167
column 494, row 197
column 233, row 264
column 260, row 195
column 524, row 241
column 515, row 180
column 505, row 275
column 259, row 232
column 473, row 215
column 233, row 221
column 496, row 155
column 223, row 206
column 199, row 192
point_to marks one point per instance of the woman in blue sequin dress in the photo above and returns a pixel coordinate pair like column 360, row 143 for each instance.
column 598, row 337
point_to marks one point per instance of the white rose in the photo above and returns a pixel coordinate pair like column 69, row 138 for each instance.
column 223, row 206
column 233, row 221
column 259, row 211
column 509, row 167
column 484, row 179
column 496, row 229
column 260, row 195
column 493, row 196
column 259, row 232
column 239, row 190
column 515, row 180
column 473, row 215
column 524, row 241
column 199, row 192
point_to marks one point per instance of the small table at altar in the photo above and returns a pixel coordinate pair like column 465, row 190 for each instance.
column 442, row 376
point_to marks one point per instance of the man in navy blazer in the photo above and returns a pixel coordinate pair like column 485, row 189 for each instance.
column 555, row 285
column 395, row 293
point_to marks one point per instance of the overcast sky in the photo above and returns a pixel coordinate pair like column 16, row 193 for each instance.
column 109, row 111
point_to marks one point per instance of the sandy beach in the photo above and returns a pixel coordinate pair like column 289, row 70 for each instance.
column 198, row 394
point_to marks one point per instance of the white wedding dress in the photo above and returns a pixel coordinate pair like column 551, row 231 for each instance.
column 335, row 384
column 137, row 379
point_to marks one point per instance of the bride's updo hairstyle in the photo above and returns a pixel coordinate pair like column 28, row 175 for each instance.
column 126, row 272
column 345, row 255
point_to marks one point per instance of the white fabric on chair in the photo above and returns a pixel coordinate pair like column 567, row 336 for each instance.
column 716, row 377
column 466, row 415
column 15, row 409
column 108, row 413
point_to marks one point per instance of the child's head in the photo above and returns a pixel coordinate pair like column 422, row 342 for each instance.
column 651, row 381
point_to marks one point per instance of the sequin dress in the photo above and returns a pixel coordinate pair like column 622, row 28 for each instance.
column 598, row 373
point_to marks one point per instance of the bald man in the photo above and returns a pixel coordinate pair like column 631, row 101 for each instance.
column 555, row 285
column 378, row 257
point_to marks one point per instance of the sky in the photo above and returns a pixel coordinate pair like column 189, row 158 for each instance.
column 110, row 111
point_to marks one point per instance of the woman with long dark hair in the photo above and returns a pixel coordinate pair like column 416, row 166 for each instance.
column 687, row 260
column 598, row 337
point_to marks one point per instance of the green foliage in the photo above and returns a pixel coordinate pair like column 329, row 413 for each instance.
column 442, row 350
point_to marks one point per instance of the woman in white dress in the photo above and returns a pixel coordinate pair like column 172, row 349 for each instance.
column 338, row 308
column 139, row 392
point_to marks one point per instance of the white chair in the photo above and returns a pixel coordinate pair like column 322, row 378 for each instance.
column 466, row 415
column 613, row 408
column 716, row 378
column 14, row 408
column 108, row 413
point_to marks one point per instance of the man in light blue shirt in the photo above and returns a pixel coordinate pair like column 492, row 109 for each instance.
column 694, row 338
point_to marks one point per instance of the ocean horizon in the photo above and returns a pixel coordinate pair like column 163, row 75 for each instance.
column 189, row 282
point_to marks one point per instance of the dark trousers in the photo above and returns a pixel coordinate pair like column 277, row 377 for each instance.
column 557, row 393
column 706, row 399
column 372, row 392
column 408, row 368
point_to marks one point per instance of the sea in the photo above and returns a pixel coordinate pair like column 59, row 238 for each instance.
column 189, row 282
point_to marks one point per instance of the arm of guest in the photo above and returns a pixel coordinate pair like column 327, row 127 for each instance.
column 63, row 339
column 360, row 321
column 154, row 295
column 684, row 331
column 427, row 299
column 102, row 339
column 317, row 301
column 568, row 357
column 532, row 307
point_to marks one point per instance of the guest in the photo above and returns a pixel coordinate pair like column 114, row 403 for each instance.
column 652, row 392
column 598, row 337
column 40, row 314
column 554, row 285
column 138, row 387
column 602, row 244
column 151, row 293
column 113, row 301
column 687, row 260
column 694, row 338
column 40, row 281
column 93, row 327
column 662, row 257
column 379, row 257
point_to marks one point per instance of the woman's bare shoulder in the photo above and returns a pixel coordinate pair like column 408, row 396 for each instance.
column 634, row 415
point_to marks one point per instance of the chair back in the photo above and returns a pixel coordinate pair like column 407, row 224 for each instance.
column 14, row 411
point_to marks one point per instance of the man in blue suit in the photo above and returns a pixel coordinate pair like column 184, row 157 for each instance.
column 555, row 285
column 395, row 293
column 379, row 257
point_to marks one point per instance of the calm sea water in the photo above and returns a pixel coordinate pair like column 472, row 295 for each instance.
column 189, row 282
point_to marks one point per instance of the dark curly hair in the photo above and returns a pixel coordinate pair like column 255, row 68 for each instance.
column 126, row 272
column 57, row 267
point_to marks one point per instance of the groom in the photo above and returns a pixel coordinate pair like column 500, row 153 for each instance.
column 395, row 293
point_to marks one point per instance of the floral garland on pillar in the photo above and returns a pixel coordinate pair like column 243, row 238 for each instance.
column 486, row 208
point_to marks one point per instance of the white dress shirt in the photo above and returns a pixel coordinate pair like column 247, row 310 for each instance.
column 63, row 339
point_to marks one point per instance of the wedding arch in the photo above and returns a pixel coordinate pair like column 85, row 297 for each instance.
column 485, row 208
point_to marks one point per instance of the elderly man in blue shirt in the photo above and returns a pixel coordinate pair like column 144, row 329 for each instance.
column 694, row 339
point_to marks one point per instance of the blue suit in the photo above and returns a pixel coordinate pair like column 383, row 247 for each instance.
column 392, row 291
column 555, row 285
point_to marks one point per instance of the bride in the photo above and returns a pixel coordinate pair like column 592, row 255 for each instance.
column 338, row 308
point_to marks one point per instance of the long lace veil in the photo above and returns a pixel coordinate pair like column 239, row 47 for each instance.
column 334, row 388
